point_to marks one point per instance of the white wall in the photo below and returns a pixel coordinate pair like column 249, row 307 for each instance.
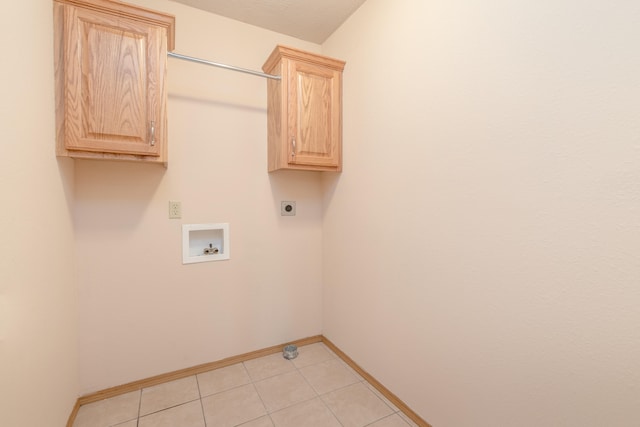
column 481, row 247
column 38, row 301
column 142, row 312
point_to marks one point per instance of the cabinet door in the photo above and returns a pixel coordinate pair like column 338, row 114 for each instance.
column 314, row 115
column 114, row 84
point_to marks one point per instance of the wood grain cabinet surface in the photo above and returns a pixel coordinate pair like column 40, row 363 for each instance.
column 304, row 111
column 111, row 91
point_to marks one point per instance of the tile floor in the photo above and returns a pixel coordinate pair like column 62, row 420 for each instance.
column 316, row 389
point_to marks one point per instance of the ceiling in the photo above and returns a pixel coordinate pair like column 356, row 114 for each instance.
column 310, row 20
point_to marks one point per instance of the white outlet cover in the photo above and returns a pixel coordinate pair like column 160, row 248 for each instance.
column 175, row 210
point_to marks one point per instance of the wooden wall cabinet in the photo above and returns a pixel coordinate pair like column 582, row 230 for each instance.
column 304, row 111
column 111, row 90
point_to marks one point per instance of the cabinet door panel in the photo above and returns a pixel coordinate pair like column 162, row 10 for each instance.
column 314, row 115
column 109, row 53
column 113, row 93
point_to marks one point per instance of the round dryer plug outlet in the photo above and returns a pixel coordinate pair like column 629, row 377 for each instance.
column 288, row 208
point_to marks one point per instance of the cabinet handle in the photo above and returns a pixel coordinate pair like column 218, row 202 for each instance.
column 153, row 133
column 293, row 147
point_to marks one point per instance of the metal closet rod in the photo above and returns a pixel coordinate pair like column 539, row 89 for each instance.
column 225, row 66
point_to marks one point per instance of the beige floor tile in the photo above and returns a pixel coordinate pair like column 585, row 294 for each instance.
column 312, row 354
column 284, row 390
column 407, row 419
column 328, row 376
column 317, row 389
column 381, row 396
column 330, row 351
column 169, row 394
column 391, row 421
column 356, row 405
column 260, row 422
column 233, row 407
column 312, row 413
column 222, row 379
column 187, row 415
column 268, row 366
column 109, row 412
column 353, row 371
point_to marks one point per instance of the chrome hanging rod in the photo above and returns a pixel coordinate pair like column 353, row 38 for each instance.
column 225, row 66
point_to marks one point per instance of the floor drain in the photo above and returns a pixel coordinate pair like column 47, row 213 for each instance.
column 290, row 352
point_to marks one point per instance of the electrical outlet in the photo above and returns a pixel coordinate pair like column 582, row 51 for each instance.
column 175, row 210
column 288, row 208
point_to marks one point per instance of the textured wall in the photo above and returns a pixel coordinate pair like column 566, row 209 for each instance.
column 481, row 247
column 38, row 301
column 144, row 313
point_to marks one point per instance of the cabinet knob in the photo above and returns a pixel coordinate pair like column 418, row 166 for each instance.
column 152, row 130
column 293, row 147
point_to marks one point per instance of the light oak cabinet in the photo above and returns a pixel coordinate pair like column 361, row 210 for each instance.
column 111, row 90
column 304, row 111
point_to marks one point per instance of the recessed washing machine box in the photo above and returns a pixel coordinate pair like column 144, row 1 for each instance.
column 205, row 242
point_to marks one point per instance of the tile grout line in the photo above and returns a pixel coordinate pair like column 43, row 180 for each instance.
column 139, row 407
column 382, row 398
column 270, row 376
column 297, row 369
column 329, row 409
column 293, row 404
column 360, row 380
column 263, row 404
column 252, row 382
column 204, row 417
column 318, row 395
column 167, row 408
column 294, row 368
column 384, row 418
